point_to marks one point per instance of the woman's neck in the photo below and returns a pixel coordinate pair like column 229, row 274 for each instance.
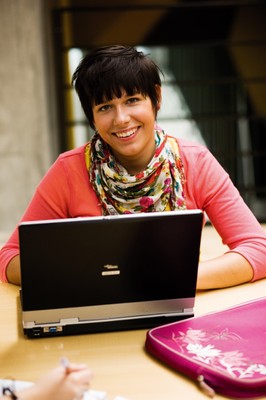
column 135, row 165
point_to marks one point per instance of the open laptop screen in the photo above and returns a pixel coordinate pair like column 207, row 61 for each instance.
column 103, row 260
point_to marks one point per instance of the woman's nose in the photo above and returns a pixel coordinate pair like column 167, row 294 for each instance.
column 121, row 115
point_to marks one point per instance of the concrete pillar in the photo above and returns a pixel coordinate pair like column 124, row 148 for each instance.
column 27, row 132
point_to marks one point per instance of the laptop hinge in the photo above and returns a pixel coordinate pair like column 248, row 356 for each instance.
column 188, row 311
column 69, row 321
column 64, row 321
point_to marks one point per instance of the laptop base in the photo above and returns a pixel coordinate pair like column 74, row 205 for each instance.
column 101, row 327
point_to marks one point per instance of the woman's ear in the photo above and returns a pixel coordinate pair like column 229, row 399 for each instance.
column 159, row 96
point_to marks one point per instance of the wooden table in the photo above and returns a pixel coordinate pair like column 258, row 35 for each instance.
column 118, row 359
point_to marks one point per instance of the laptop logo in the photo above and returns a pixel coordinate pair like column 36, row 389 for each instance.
column 110, row 269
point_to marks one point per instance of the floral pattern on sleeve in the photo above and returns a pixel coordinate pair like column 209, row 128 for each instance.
column 224, row 350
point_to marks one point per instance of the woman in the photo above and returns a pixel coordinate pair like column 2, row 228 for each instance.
column 59, row 384
column 131, row 165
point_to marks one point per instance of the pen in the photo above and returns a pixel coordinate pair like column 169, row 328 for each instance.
column 65, row 364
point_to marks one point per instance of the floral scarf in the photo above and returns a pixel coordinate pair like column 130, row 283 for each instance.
column 156, row 188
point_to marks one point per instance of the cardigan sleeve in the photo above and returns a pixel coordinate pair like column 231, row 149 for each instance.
column 64, row 192
column 46, row 203
column 209, row 188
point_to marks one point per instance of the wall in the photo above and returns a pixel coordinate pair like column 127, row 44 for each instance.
column 27, row 129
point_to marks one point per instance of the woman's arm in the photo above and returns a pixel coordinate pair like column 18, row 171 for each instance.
column 13, row 271
column 209, row 188
column 229, row 269
column 48, row 202
column 64, row 192
column 58, row 384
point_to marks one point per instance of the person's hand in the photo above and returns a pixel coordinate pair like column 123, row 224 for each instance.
column 60, row 384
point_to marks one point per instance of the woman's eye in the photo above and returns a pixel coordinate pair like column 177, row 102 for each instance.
column 104, row 108
column 133, row 100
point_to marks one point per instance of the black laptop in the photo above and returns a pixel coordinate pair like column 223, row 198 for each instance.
column 107, row 273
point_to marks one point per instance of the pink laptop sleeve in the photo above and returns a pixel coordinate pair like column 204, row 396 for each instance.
column 224, row 351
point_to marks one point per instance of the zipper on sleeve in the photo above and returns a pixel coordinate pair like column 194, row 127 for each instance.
column 205, row 387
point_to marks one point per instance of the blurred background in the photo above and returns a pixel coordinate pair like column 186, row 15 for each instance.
column 213, row 56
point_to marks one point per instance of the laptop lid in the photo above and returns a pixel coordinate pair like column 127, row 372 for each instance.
column 106, row 273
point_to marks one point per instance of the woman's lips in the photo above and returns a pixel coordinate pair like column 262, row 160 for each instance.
column 126, row 134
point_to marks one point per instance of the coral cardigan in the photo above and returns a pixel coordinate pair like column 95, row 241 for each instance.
column 66, row 192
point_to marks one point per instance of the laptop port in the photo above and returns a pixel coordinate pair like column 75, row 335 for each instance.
column 37, row 331
column 52, row 329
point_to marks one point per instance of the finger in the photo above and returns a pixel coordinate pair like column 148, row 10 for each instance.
column 72, row 367
column 80, row 394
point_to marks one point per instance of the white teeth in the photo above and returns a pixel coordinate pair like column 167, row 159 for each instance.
column 126, row 134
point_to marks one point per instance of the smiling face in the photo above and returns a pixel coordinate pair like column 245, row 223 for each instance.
column 126, row 124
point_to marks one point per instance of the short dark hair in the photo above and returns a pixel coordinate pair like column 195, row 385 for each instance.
column 105, row 72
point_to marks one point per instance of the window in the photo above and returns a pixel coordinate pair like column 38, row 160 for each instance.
column 214, row 84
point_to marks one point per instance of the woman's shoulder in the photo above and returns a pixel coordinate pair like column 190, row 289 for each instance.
column 73, row 153
column 185, row 143
column 190, row 149
column 69, row 162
